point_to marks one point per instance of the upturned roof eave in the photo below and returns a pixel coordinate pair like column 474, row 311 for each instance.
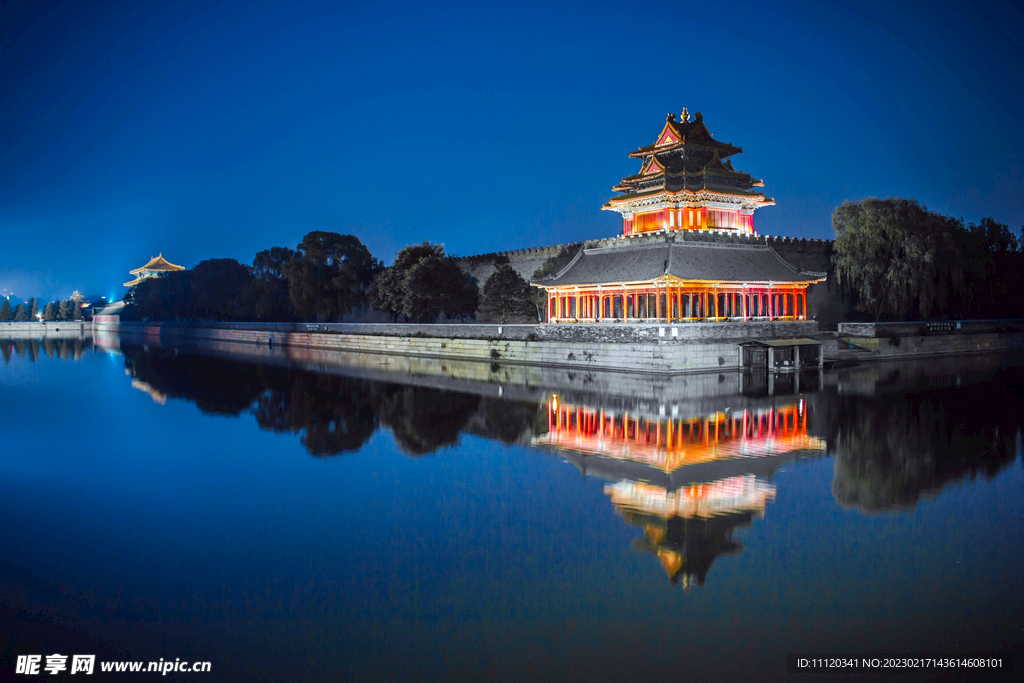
column 681, row 281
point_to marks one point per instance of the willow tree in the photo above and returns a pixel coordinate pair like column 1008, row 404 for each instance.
column 896, row 258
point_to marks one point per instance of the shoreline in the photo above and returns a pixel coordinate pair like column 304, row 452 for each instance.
column 656, row 349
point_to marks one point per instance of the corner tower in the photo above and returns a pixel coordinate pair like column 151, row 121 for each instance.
column 686, row 182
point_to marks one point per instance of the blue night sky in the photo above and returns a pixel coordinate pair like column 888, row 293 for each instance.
column 203, row 131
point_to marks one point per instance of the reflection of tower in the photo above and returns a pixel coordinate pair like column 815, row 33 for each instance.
column 687, row 481
column 689, row 527
column 685, row 547
column 669, row 443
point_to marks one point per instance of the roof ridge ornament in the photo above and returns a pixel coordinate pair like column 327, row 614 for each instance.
column 685, row 117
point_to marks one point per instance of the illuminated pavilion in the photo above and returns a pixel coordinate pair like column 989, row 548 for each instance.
column 156, row 267
column 688, row 250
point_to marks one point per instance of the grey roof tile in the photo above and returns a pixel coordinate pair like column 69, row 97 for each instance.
column 687, row 260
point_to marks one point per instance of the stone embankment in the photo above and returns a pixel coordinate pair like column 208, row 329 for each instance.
column 55, row 330
column 888, row 341
column 670, row 349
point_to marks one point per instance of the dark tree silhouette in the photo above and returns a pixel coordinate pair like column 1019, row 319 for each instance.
column 389, row 285
column 436, row 286
column 266, row 298
column 162, row 298
column 217, row 287
column 330, row 275
column 507, row 295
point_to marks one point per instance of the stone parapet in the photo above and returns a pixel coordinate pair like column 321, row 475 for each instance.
column 54, row 330
column 651, row 357
column 928, row 327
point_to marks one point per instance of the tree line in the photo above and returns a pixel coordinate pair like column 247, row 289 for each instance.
column 29, row 311
column 326, row 278
column 899, row 261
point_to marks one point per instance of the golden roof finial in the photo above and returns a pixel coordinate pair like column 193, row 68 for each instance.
column 685, row 116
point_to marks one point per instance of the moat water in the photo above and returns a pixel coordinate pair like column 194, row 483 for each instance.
column 328, row 518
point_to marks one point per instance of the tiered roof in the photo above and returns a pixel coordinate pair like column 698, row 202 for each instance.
column 684, row 160
column 687, row 257
column 157, row 266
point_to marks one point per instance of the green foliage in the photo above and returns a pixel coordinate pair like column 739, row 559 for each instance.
column 266, row 298
column 21, row 313
column 216, row 289
column 436, row 286
column 6, row 314
column 898, row 259
column 49, row 312
column 330, row 275
column 389, row 286
column 161, row 298
column 423, row 284
column 506, row 295
column 64, row 310
column 33, row 310
column 269, row 264
column 76, row 310
column 993, row 270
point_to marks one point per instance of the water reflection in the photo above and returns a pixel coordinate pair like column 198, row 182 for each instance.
column 687, row 461
column 63, row 348
column 903, row 433
column 332, row 414
column 686, row 481
column 689, row 528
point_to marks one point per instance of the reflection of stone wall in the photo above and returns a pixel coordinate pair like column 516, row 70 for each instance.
column 638, row 393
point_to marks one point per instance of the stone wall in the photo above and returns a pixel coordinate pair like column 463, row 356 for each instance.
column 612, row 333
column 643, row 394
column 650, row 357
column 912, row 329
column 54, row 330
column 888, row 348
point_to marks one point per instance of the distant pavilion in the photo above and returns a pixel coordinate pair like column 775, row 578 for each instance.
column 688, row 250
column 156, row 267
